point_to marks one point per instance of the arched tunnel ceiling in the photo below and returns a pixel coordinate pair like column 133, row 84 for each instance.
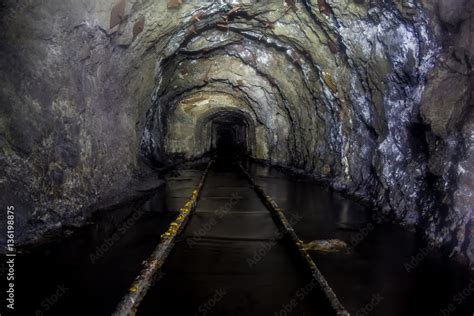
column 371, row 96
column 329, row 71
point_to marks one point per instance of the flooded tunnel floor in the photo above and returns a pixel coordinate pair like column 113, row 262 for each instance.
column 231, row 259
column 215, row 264
column 98, row 263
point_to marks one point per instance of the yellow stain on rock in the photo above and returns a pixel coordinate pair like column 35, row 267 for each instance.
column 329, row 82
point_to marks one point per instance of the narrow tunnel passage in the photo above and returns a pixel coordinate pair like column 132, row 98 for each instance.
column 353, row 117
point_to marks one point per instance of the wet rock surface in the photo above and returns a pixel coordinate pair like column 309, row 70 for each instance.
column 373, row 97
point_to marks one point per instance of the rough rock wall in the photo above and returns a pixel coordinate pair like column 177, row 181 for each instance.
column 448, row 117
column 373, row 96
column 72, row 99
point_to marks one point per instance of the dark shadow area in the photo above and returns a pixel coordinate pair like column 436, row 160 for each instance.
column 229, row 137
column 230, row 141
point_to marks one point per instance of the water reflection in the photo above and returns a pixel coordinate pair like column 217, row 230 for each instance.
column 378, row 265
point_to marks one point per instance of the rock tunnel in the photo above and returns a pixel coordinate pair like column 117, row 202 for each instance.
column 111, row 109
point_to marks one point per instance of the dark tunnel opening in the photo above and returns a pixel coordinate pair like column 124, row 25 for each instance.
column 230, row 135
column 230, row 140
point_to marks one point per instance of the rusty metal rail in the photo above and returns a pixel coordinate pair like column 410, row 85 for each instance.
column 129, row 304
column 285, row 225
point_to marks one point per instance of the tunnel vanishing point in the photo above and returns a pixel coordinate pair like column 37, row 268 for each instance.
column 372, row 98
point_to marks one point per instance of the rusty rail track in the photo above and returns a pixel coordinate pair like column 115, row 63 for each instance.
column 129, row 304
column 285, row 225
